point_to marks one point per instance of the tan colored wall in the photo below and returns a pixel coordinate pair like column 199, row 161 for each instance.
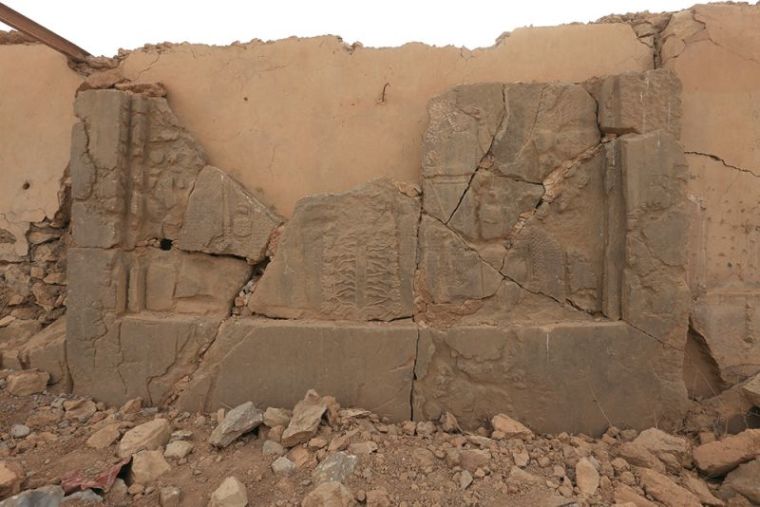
column 302, row 116
column 715, row 50
column 36, row 115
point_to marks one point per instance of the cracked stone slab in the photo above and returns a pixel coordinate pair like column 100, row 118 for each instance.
column 273, row 362
column 559, row 251
column 223, row 218
column 596, row 374
column 132, row 169
column 344, row 256
column 639, row 102
column 142, row 356
column 654, row 293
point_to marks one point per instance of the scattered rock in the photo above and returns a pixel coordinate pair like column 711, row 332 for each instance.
column 238, row 421
column 169, row 496
column 663, row 489
column 449, row 423
column 722, row 456
column 624, row 494
column 132, row 406
column 586, row 477
column 276, row 417
column 147, row 466
column 509, row 427
column 639, row 456
column 378, row 498
column 465, row 479
column 329, row 494
column 336, row 467
column 271, row 448
column 230, row 493
column 11, row 477
column 283, row 466
column 751, row 390
column 81, row 410
column 700, row 490
column 363, row 448
column 20, row 431
column 47, row 496
column 104, row 437
column 658, row 442
column 745, row 480
column 27, row 382
column 307, row 415
column 471, row 459
column 147, row 436
column 178, row 449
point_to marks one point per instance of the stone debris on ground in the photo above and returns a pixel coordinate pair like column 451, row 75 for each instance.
column 343, row 456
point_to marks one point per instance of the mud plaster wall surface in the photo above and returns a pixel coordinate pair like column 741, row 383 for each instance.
column 303, row 116
column 36, row 116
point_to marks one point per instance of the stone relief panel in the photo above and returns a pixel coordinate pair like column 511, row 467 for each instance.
column 347, row 256
column 550, row 229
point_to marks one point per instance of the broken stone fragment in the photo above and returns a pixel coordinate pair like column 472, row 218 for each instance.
column 717, row 458
column 148, row 466
column 344, row 256
column 222, row 218
column 658, row 442
column 751, row 390
column 178, row 449
column 336, row 467
column 663, row 489
column 307, row 414
column 331, row 493
column 276, row 417
column 586, row 477
column 745, row 480
column 283, row 466
column 24, row 383
column 238, row 421
column 169, row 496
column 509, row 427
column 147, row 436
column 11, row 478
column 104, row 437
column 230, row 493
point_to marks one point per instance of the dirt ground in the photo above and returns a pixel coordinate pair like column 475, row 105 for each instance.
column 406, row 464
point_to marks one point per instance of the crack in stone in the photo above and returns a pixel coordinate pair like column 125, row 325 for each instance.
column 726, row 164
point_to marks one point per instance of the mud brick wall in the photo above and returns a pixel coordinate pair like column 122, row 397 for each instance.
column 560, row 222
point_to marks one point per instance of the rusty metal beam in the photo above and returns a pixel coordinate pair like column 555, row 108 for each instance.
column 42, row 34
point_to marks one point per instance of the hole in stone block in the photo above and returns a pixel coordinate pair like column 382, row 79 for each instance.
column 166, row 244
column 26, row 185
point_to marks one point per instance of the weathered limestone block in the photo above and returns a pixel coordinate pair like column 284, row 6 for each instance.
column 640, row 102
column 492, row 205
column 180, row 282
column 141, row 357
column 132, row 169
column 156, row 353
column 545, row 124
column 462, row 125
column 46, row 351
column 574, row 377
column 655, row 297
column 559, row 252
column 344, row 256
column 223, row 218
column 273, row 362
column 729, row 322
column 13, row 244
column 449, row 270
